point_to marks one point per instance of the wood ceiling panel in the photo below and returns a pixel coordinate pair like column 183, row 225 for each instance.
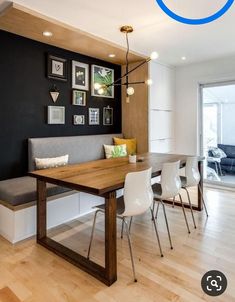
column 30, row 24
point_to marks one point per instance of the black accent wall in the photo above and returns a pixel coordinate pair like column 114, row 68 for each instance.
column 24, row 97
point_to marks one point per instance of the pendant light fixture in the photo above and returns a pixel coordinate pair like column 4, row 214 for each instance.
column 130, row 90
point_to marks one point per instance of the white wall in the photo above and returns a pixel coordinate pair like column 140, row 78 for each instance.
column 188, row 79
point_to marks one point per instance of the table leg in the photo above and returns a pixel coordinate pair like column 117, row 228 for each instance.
column 200, row 192
column 110, row 237
column 41, row 209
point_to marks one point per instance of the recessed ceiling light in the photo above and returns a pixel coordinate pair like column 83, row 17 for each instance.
column 47, row 33
column 112, row 55
column 183, row 58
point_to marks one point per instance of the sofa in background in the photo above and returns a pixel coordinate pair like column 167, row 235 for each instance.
column 227, row 163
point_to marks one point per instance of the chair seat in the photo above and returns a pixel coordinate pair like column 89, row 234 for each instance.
column 120, row 206
column 157, row 190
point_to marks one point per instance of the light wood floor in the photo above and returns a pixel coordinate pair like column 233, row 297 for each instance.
column 29, row 272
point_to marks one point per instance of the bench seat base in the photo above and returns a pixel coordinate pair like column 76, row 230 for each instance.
column 19, row 223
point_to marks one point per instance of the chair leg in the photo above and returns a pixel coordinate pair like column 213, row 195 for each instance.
column 203, row 200
column 122, row 229
column 130, row 247
column 156, row 231
column 167, row 225
column 92, row 233
column 130, row 224
column 158, row 204
column 191, row 207
column 185, row 217
column 173, row 204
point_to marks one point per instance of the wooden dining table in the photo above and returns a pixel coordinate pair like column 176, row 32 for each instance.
column 100, row 178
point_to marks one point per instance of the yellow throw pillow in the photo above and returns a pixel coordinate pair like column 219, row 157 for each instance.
column 131, row 144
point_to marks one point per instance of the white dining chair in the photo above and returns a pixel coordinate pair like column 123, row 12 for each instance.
column 136, row 200
column 191, row 179
column 169, row 187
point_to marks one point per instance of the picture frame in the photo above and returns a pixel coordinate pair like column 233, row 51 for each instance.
column 103, row 76
column 80, row 76
column 94, row 116
column 56, row 115
column 79, row 120
column 57, row 68
column 107, row 116
column 79, row 98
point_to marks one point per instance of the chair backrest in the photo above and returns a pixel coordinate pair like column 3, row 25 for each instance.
column 138, row 194
column 191, row 171
column 170, row 180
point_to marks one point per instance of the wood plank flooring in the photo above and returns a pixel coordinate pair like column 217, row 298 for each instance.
column 30, row 273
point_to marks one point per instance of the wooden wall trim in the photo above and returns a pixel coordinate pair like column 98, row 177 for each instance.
column 25, row 22
column 135, row 113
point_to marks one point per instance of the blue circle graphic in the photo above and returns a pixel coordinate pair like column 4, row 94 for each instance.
column 208, row 19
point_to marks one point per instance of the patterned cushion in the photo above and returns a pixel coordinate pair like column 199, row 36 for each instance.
column 115, row 151
column 131, row 144
column 218, row 153
column 52, row 162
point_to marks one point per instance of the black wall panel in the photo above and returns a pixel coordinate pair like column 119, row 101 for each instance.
column 24, row 97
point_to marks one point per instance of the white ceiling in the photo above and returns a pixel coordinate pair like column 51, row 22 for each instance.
column 153, row 29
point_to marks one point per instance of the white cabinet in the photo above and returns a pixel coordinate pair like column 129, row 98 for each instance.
column 162, row 146
column 161, row 125
column 161, row 93
column 161, row 108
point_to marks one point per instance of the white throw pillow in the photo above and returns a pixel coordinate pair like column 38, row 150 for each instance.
column 115, row 151
column 53, row 162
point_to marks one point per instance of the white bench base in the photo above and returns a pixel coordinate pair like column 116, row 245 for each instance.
column 17, row 225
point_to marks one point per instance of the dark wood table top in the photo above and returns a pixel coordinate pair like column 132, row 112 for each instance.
column 106, row 175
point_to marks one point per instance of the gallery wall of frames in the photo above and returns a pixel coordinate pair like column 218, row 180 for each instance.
column 47, row 91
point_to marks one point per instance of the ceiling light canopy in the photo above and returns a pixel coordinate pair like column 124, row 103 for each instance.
column 112, row 55
column 127, row 29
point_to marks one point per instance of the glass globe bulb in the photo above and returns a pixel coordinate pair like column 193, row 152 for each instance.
column 130, row 91
column 97, row 86
column 149, row 82
column 101, row 91
column 154, row 55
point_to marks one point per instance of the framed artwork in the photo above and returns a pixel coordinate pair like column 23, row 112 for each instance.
column 57, row 68
column 56, row 115
column 79, row 98
column 79, row 119
column 103, row 76
column 107, row 116
column 80, row 75
column 94, row 116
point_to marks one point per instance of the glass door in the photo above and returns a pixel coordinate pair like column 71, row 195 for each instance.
column 218, row 133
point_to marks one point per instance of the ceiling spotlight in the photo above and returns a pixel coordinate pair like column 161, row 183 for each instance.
column 149, row 82
column 183, row 58
column 112, row 55
column 47, row 34
column 154, row 55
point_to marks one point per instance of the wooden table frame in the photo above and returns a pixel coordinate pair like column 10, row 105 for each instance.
column 107, row 274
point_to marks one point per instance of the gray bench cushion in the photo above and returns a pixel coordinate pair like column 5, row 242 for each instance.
column 17, row 191
column 79, row 148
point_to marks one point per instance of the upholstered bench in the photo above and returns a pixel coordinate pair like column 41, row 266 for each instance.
column 22, row 190
column 18, row 195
